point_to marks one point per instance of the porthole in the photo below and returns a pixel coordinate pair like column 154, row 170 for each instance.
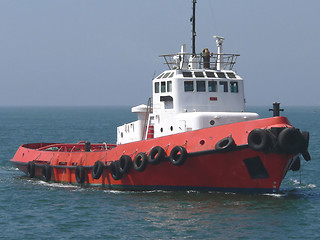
column 171, row 128
column 212, row 122
column 202, row 142
column 161, row 129
column 122, row 134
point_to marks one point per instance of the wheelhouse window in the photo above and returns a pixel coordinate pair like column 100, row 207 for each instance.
column 160, row 76
column 188, row 86
column 163, row 87
column 166, row 75
column 234, row 87
column 156, row 87
column 169, row 86
column 212, row 86
column 199, row 74
column 221, row 75
column 171, row 75
column 223, row 86
column 187, row 74
column 210, row 75
column 231, row 75
column 201, row 86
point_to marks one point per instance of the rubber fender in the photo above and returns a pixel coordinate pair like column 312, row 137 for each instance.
column 259, row 139
column 226, row 144
column 178, row 155
column 115, row 172
column 125, row 164
column 31, row 168
column 97, row 170
column 80, row 174
column 290, row 140
column 140, row 162
column 46, row 172
column 156, row 155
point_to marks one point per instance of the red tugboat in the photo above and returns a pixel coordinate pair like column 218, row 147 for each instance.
column 193, row 135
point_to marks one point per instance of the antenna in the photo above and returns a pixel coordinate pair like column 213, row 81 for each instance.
column 193, row 20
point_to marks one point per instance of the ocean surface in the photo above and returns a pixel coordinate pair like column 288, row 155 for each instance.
column 33, row 209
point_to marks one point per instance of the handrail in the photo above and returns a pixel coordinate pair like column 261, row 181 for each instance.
column 227, row 61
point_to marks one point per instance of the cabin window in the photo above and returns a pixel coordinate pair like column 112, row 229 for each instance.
column 198, row 74
column 201, row 86
column 169, row 86
column 223, row 86
column 212, row 86
column 171, row 75
column 231, row 75
column 211, row 75
column 187, row 74
column 163, row 86
column 234, row 87
column 221, row 75
column 160, row 76
column 188, row 86
column 156, row 87
column 166, row 75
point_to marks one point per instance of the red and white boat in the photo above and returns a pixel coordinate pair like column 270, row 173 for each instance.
column 193, row 135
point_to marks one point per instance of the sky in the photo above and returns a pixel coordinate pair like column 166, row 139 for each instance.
column 105, row 53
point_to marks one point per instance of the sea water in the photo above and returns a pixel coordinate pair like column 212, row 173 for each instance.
column 33, row 209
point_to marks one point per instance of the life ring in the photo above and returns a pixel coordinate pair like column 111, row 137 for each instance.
column 80, row 174
column 290, row 140
column 125, row 164
column 46, row 172
column 178, row 155
column 140, row 162
column 97, row 170
column 156, row 155
column 31, row 168
column 225, row 144
column 115, row 172
column 259, row 139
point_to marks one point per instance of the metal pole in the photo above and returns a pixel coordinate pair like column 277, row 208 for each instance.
column 194, row 28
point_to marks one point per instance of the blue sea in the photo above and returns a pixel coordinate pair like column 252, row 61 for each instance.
column 33, row 209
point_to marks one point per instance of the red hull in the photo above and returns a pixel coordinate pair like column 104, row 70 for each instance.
column 205, row 168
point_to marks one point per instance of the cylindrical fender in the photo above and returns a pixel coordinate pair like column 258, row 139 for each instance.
column 259, row 139
column 31, row 168
column 225, row 144
column 46, row 172
column 80, row 174
column 140, row 162
column 97, row 170
column 156, row 155
column 178, row 155
column 115, row 172
column 290, row 140
column 125, row 164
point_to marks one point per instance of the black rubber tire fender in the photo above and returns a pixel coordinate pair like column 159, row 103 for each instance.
column 178, row 155
column 156, row 155
column 226, row 144
column 259, row 139
column 114, row 170
column 80, row 174
column 97, row 169
column 46, row 172
column 140, row 162
column 125, row 164
column 290, row 140
column 31, row 169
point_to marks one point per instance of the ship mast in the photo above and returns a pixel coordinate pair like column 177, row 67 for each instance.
column 193, row 20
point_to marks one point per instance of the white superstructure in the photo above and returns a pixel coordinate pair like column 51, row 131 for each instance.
column 198, row 91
